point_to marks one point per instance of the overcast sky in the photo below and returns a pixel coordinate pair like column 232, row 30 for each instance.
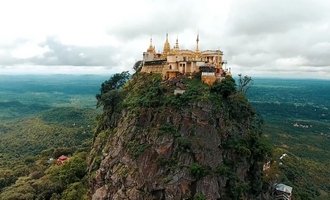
column 289, row 38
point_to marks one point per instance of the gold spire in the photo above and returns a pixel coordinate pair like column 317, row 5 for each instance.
column 176, row 47
column 151, row 48
column 197, row 40
column 167, row 47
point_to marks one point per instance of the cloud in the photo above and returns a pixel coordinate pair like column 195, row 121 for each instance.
column 157, row 18
column 29, row 50
column 291, row 61
column 255, row 17
column 53, row 52
column 63, row 69
column 279, row 37
column 61, row 54
column 275, row 37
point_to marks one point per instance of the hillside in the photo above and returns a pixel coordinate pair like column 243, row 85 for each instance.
column 150, row 144
column 27, row 145
column 297, row 122
column 42, row 118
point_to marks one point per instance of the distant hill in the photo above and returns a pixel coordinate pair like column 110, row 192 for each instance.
column 16, row 109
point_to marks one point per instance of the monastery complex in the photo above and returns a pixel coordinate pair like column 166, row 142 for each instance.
column 175, row 61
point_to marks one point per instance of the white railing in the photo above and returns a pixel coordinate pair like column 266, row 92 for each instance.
column 208, row 74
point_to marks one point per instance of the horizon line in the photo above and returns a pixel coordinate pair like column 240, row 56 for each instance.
column 110, row 74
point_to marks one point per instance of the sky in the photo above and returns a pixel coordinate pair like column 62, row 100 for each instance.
column 273, row 38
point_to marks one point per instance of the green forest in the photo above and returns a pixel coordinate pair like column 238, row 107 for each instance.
column 42, row 118
column 297, row 122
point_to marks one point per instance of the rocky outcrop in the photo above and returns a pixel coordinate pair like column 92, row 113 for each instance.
column 199, row 152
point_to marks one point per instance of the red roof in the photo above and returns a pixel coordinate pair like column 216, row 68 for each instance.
column 62, row 158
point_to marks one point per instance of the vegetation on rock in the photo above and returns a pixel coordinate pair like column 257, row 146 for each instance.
column 207, row 135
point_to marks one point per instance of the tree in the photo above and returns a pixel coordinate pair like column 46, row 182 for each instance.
column 71, row 171
column 226, row 87
column 244, row 83
column 110, row 96
column 115, row 82
column 62, row 151
column 75, row 191
column 109, row 100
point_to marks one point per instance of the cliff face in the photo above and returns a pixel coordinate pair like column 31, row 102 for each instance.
column 176, row 147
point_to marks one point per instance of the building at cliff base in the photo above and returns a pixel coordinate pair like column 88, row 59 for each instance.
column 175, row 61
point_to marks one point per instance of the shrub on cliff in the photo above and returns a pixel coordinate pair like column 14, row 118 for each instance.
column 109, row 95
column 144, row 90
column 225, row 87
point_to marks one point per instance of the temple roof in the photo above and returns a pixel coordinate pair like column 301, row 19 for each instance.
column 167, row 47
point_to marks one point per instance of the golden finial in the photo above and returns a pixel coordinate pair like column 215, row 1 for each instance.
column 151, row 48
column 167, row 47
column 150, row 43
column 197, row 40
column 177, row 43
